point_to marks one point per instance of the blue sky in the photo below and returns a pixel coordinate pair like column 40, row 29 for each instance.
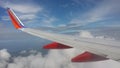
column 55, row 13
column 68, row 14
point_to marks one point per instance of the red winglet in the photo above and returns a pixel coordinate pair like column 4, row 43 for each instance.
column 55, row 45
column 16, row 22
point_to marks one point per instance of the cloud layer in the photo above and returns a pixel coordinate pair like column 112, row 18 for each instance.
column 4, row 58
column 54, row 59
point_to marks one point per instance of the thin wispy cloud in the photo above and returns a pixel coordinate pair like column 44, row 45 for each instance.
column 21, row 7
column 29, row 13
column 26, row 11
column 103, row 11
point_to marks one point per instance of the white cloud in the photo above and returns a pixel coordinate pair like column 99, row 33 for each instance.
column 104, row 9
column 48, row 21
column 54, row 59
column 4, row 55
column 31, row 61
column 4, row 58
column 27, row 17
column 25, row 8
column 26, row 11
column 5, row 18
column 21, row 7
column 86, row 34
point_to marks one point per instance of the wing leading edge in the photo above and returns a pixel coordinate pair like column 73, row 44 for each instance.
column 92, row 46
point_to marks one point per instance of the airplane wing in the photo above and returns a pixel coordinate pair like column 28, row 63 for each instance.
column 95, row 49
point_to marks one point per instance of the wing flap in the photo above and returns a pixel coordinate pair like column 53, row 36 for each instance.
column 88, row 57
column 55, row 45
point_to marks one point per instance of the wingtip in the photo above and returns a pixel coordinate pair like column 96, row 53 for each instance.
column 15, row 20
column 8, row 8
